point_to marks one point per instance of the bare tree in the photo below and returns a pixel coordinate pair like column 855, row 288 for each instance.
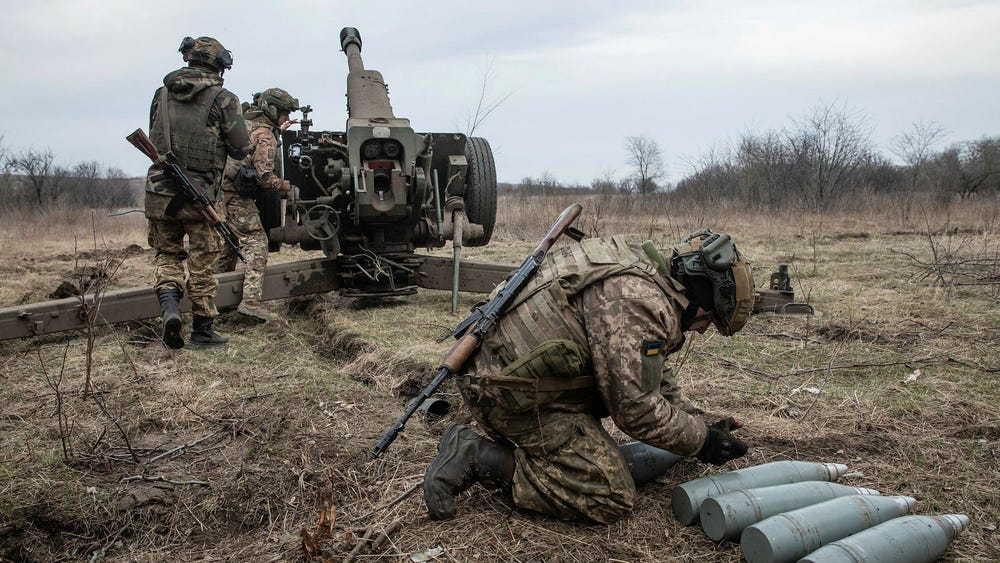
column 605, row 183
column 484, row 106
column 980, row 166
column 92, row 186
column 945, row 173
column 966, row 169
column 118, row 188
column 646, row 160
column 38, row 168
column 829, row 145
column 767, row 176
column 6, row 179
column 916, row 148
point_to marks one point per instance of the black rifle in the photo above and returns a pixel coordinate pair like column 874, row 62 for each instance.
column 476, row 326
column 168, row 163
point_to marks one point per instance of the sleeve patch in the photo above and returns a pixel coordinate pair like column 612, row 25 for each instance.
column 652, row 347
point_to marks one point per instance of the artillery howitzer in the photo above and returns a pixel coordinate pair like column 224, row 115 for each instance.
column 369, row 195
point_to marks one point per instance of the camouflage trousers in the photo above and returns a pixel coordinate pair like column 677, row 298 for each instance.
column 166, row 237
column 567, row 465
column 243, row 219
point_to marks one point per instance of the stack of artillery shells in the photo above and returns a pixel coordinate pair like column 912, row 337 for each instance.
column 787, row 510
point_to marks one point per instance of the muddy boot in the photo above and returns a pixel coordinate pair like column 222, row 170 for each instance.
column 202, row 334
column 170, row 311
column 463, row 459
column 646, row 463
column 254, row 310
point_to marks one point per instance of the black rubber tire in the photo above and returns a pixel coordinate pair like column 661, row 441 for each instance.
column 481, row 189
column 269, row 205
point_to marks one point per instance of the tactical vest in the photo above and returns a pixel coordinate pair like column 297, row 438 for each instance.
column 197, row 146
column 254, row 120
column 541, row 339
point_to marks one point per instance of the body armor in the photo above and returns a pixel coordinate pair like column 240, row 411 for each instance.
column 541, row 340
column 197, row 146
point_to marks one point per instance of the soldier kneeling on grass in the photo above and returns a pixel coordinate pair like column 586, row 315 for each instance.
column 584, row 340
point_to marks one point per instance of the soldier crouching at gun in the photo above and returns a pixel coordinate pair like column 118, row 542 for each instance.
column 586, row 338
column 243, row 179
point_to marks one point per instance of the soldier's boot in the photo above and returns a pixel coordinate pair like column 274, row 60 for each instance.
column 202, row 334
column 647, row 463
column 464, row 458
column 170, row 312
column 253, row 309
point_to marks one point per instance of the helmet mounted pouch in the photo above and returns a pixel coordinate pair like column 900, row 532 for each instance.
column 186, row 45
column 717, row 277
column 718, row 252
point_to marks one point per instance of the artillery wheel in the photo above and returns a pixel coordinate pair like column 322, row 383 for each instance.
column 481, row 189
column 269, row 205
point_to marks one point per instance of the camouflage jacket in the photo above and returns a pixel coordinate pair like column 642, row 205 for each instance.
column 206, row 126
column 263, row 154
column 599, row 318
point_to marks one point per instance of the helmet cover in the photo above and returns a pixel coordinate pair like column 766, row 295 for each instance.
column 206, row 50
column 274, row 102
column 716, row 276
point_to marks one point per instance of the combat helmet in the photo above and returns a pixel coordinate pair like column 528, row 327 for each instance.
column 716, row 276
column 274, row 102
column 206, row 50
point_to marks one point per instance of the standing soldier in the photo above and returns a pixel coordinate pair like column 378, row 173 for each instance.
column 200, row 122
column 586, row 339
column 266, row 117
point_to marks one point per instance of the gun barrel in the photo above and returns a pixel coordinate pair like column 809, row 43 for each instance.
column 367, row 95
column 350, row 43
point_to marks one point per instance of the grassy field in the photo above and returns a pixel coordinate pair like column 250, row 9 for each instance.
column 258, row 452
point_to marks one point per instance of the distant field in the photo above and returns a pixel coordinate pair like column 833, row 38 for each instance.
column 230, row 455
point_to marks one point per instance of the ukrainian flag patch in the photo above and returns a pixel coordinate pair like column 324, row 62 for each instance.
column 651, row 347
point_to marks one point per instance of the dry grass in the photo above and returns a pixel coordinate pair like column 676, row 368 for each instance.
column 278, row 424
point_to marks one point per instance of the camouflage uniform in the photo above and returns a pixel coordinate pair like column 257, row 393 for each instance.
column 206, row 126
column 242, row 214
column 586, row 339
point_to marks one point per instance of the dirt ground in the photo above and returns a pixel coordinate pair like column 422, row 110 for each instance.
column 259, row 451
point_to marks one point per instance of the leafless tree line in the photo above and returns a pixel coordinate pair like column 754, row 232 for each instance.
column 827, row 159
column 31, row 178
column 824, row 160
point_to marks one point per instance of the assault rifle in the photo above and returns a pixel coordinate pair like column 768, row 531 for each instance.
column 476, row 326
column 168, row 163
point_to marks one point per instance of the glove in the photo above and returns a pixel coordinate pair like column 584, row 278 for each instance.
column 720, row 446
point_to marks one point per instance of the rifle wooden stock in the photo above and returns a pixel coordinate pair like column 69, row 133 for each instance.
column 471, row 331
column 140, row 141
column 460, row 352
column 169, row 165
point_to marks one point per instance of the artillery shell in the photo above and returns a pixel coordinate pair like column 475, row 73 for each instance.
column 686, row 498
column 787, row 537
column 725, row 516
column 909, row 539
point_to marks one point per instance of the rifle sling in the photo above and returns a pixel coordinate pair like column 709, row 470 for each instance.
column 165, row 116
column 179, row 199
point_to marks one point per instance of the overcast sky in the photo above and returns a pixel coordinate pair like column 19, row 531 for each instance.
column 582, row 75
